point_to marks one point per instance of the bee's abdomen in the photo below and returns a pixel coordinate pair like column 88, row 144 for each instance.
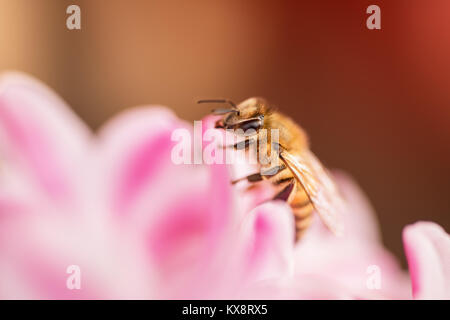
column 302, row 209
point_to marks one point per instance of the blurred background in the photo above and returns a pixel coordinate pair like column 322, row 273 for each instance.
column 376, row 103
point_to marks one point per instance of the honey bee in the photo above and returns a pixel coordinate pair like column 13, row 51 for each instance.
column 303, row 181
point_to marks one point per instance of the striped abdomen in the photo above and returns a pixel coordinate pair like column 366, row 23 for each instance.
column 302, row 209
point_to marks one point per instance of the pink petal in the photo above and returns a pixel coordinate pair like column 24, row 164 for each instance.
column 427, row 248
column 346, row 259
column 178, row 213
column 134, row 154
column 35, row 252
column 40, row 136
column 269, row 241
column 187, row 239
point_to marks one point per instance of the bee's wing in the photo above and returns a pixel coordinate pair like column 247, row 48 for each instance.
column 320, row 188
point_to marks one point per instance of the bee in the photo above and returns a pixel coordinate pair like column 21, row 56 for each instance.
column 302, row 180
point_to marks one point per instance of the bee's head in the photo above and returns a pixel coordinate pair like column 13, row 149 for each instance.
column 249, row 114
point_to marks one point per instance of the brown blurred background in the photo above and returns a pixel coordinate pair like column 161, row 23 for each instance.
column 375, row 103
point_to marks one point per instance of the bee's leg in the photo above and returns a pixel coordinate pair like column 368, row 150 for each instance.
column 281, row 177
column 250, row 178
column 244, row 144
column 241, row 145
column 219, row 124
column 272, row 172
column 264, row 174
column 286, row 192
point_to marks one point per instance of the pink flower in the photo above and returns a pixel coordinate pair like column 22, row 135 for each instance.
column 136, row 225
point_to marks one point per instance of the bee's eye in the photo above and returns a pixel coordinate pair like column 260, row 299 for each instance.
column 251, row 124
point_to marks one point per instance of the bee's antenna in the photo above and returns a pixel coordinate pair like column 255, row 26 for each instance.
column 231, row 103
